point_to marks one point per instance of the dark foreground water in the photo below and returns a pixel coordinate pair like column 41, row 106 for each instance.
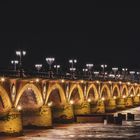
column 87, row 131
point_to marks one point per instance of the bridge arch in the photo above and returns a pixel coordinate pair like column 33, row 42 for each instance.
column 5, row 100
column 124, row 91
column 132, row 91
column 79, row 93
column 116, row 91
column 105, row 92
column 137, row 91
column 95, row 93
column 60, row 90
column 36, row 92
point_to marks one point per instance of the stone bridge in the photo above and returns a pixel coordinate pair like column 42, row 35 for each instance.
column 38, row 102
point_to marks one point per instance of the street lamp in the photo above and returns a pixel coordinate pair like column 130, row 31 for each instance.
column 72, row 61
column 50, row 60
column 85, row 71
column 14, row 62
column 20, row 54
column 57, row 67
column 115, row 71
column 89, row 67
column 96, row 73
column 72, row 70
column 38, row 67
column 124, row 70
column 132, row 74
column 103, row 66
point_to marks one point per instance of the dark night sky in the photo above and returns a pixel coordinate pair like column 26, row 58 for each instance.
column 115, row 39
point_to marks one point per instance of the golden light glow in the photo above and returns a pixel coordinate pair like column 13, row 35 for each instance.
column 138, row 95
column 124, row 96
column 103, row 98
column 89, row 100
column 37, row 80
column 2, row 79
column 97, row 82
column 120, row 82
column 19, row 108
column 114, row 97
column 82, row 81
column 131, row 95
column 136, row 84
column 50, row 104
column 110, row 82
column 62, row 80
column 128, row 83
column 71, row 102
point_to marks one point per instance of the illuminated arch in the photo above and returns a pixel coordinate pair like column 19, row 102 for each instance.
column 61, row 92
column 116, row 87
column 5, row 99
column 124, row 87
column 133, row 91
column 80, row 92
column 92, row 86
column 107, row 89
column 137, row 91
column 36, row 91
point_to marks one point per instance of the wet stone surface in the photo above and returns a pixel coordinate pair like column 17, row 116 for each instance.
column 87, row 131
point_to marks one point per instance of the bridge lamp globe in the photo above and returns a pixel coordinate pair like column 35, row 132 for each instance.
column 131, row 95
column 37, row 80
column 57, row 67
column 72, row 62
column 110, row 82
column 89, row 66
column 62, row 81
column 38, row 67
column 50, row 61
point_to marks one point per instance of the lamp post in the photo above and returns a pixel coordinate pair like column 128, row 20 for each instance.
column 132, row 74
column 14, row 62
column 96, row 73
column 85, row 71
column 72, row 62
column 89, row 67
column 50, row 61
column 38, row 67
column 103, row 66
column 20, row 54
column 124, row 71
column 115, row 71
column 57, row 67
column 72, row 70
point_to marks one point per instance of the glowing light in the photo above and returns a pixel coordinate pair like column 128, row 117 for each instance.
column 97, row 82
column 138, row 95
column 120, row 82
column 50, row 104
column 71, row 102
column 110, row 82
column 2, row 79
column 103, row 98
column 89, row 100
column 124, row 96
column 62, row 80
column 136, row 84
column 19, row 108
column 37, row 80
column 131, row 95
column 128, row 83
column 114, row 97
column 82, row 81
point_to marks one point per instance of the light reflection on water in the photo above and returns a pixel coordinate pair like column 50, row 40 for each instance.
column 84, row 131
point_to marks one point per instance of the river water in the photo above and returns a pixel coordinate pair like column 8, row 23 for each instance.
column 87, row 131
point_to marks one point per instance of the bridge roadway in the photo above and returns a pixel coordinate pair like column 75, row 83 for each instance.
column 37, row 102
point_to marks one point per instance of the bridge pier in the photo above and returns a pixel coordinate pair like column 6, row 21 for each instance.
column 128, row 102
column 136, row 100
column 110, row 105
column 11, row 123
column 99, row 107
column 41, row 117
column 63, row 113
column 82, row 108
column 120, row 103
